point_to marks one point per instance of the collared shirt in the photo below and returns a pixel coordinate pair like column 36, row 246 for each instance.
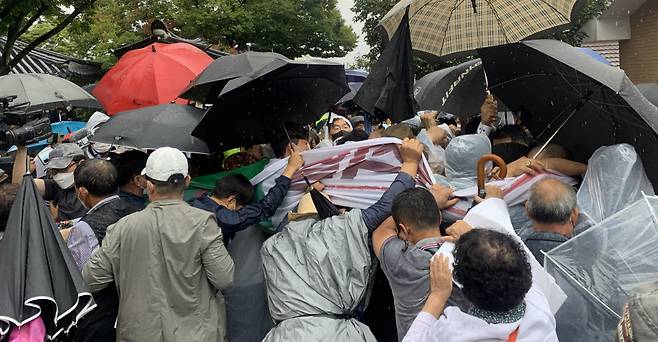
column 543, row 241
column 82, row 241
column 138, row 202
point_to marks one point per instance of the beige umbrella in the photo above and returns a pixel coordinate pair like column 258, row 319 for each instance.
column 447, row 27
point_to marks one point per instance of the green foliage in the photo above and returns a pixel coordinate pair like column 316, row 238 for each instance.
column 573, row 35
column 370, row 12
column 18, row 16
column 290, row 27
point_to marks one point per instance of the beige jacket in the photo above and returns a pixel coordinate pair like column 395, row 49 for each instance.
column 169, row 263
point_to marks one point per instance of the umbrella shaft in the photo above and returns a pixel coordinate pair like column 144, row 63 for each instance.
column 573, row 112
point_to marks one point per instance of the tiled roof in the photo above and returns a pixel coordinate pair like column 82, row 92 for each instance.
column 607, row 49
column 49, row 62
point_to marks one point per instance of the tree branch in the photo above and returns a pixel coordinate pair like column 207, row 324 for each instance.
column 29, row 22
column 39, row 40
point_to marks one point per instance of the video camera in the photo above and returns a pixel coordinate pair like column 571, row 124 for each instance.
column 21, row 127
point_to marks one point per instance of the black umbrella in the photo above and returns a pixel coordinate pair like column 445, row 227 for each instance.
column 43, row 91
column 388, row 90
column 209, row 84
column 250, row 109
column 569, row 98
column 152, row 127
column 650, row 91
column 39, row 275
column 458, row 90
column 354, row 88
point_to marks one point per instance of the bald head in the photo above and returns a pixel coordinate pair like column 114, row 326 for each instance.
column 551, row 201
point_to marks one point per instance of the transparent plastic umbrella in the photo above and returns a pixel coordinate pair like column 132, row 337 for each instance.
column 600, row 267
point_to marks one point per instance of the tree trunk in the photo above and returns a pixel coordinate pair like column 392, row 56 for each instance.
column 6, row 64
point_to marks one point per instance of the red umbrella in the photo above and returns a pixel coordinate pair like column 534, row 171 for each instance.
column 149, row 76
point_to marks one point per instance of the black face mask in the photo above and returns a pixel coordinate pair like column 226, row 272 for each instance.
column 338, row 135
column 510, row 151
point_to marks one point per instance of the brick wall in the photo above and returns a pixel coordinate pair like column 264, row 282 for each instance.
column 608, row 49
column 639, row 55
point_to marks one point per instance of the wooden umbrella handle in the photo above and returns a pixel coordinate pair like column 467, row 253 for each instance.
column 498, row 161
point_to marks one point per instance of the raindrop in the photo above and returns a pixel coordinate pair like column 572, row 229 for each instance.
column 616, row 23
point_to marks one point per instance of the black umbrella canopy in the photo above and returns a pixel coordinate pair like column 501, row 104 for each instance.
column 388, row 90
column 252, row 108
column 39, row 275
column 152, row 127
column 548, row 81
column 458, row 90
column 42, row 91
column 208, row 85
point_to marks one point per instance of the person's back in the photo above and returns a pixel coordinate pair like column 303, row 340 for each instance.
column 161, row 270
column 404, row 253
column 168, row 262
column 317, row 271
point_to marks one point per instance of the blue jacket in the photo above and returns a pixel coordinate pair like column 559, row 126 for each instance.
column 231, row 222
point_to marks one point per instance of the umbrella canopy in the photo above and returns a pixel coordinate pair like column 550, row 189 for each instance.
column 450, row 27
column 42, row 91
column 650, row 91
column 39, row 276
column 209, row 84
column 388, row 90
column 458, row 90
column 600, row 267
column 354, row 88
column 251, row 108
column 552, row 83
column 153, row 127
column 150, row 76
column 355, row 79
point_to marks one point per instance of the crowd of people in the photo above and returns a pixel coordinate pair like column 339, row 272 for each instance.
column 460, row 265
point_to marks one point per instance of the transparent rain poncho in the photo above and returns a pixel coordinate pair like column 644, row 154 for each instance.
column 615, row 178
column 462, row 156
column 600, row 267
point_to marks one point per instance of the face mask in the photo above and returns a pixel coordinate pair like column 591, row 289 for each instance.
column 64, row 180
column 338, row 135
column 81, row 201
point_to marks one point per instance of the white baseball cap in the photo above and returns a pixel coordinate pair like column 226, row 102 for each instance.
column 164, row 163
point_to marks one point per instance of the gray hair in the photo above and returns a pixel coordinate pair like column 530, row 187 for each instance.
column 552, row 202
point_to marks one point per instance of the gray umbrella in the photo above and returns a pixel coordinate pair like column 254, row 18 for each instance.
column 209, row 84
column 650, row 91
column 43, row 91
column 153, row 127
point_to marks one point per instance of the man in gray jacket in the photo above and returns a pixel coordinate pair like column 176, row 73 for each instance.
column 168, row 262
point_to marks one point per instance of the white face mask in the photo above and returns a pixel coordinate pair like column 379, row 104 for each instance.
column 64, row 180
